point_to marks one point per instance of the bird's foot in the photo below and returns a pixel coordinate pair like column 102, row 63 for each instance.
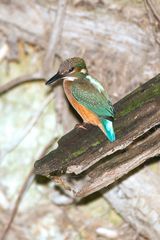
column 81, row 125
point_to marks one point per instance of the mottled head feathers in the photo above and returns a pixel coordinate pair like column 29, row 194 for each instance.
column 70, row 65
column 70, row 69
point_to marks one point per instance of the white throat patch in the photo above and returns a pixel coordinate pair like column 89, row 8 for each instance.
column 70, row 78
column 83, row 70
column 95, row 83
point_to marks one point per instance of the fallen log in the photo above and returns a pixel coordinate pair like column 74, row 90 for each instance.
column 86, row 162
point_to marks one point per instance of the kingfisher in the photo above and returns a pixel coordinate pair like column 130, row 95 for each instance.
column 87, row 95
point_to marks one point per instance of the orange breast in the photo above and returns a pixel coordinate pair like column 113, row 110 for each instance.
column 86, row 115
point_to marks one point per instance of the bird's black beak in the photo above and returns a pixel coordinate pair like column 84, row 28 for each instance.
column 56, row 77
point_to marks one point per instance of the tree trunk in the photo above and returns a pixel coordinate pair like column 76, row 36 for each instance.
column 137, row 200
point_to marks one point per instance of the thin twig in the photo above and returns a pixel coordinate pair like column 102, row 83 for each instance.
column 154, row 9
column 152, row 13
column 47, row 65
column 20, row 80
column 50, row 55
column 54, row 37
column 27, row 183
column 15, row 142
column 25, row 186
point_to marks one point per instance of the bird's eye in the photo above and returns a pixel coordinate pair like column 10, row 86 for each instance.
column 71, row 69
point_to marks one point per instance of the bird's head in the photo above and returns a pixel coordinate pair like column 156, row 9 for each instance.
column 70, row 69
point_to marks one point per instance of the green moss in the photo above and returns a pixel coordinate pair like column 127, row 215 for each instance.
column 75, row 154
column 148, row 94
column 95, row 143
column 78, row 152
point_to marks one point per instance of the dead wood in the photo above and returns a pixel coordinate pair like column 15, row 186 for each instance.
column 26, row 184
column 87, row 162
column 20, row 80
column 50, row 54
column 137, row 200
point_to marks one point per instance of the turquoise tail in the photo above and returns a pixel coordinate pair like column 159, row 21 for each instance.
column 108, row 127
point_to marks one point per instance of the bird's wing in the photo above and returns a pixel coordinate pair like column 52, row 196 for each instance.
column 93, row 98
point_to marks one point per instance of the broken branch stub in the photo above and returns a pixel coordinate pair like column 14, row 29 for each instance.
column 84, row 156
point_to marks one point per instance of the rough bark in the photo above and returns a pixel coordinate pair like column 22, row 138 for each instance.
column 137, row 200
column 87, row 155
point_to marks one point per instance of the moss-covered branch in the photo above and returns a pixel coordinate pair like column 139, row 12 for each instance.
column 89, row 154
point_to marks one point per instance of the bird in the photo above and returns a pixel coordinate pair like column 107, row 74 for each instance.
column 86, row 94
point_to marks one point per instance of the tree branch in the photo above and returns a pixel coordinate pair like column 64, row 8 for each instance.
column 55, row 37
column 15, row 142
column 50, row 55
column 154, row 8
column 20, row 80
column 86, row 162
column 25, row 186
